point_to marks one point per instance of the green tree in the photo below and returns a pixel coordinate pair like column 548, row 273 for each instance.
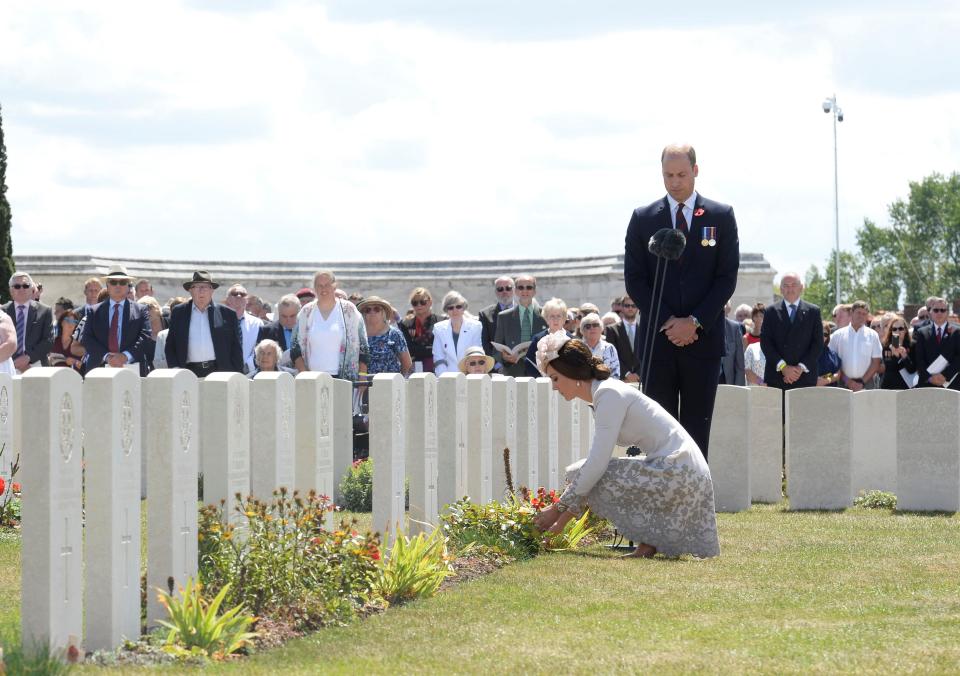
column 6, row 222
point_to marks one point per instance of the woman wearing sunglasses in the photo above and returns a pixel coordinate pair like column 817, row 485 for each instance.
column 897, row 355
column 418, row 330
column 452, row 336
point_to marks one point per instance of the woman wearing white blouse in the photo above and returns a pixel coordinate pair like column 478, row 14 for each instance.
column 452, row 337
column 664, row 500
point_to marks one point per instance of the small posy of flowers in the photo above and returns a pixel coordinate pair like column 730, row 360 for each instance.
column 542, row 499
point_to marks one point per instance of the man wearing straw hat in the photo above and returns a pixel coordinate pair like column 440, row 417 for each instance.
column 117, row 332
column 204, row 336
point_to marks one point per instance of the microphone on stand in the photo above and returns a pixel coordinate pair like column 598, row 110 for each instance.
column 667, row 244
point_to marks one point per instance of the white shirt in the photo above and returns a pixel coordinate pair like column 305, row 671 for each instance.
column 687, row 209
column 856, row 349
column 199, row 340
column 631, row 331
column 250, row 331
column 325, row 339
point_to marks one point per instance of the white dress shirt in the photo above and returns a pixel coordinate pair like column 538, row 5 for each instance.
column 199, row 340
column 687, row 209
column 856, row 349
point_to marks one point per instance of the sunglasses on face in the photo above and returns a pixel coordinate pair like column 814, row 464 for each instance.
column 118, row 282
column 938, row 310
column 526, row 287
column 238, row 294
column 453, row 307
column 504, row 289
column 627, row 305
column 20, row 286
column 419, row 303
column 477, row 362
column 898, row 329
column 589, row 326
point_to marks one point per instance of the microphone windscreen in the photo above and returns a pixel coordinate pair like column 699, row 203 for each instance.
column 655, row 245
column 673, row 244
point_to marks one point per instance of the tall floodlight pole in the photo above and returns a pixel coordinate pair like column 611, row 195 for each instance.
column 830, row 106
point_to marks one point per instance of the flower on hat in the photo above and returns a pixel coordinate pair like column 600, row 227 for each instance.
column 548, row 348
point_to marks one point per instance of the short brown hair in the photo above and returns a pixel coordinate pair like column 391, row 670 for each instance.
column 859, row 305
column 575, row 360
column 679, row 150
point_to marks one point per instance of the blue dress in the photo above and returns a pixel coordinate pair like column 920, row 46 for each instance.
column 385, row 351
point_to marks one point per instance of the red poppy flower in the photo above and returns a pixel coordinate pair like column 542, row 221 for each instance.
column 375, row 555
column 3, row 485
column 698, row 212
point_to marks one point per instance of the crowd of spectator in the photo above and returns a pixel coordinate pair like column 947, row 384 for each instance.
column 323, row 328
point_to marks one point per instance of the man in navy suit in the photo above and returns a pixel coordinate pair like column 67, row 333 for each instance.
column 689, row 330
column 791, row 338
column 204, row 336
column 33, row 322
column 937, row 338
column 117, row 332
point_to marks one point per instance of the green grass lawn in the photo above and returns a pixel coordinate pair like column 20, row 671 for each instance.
column 856, row 591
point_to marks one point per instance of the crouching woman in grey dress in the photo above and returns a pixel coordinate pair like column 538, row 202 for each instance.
column 664, row 501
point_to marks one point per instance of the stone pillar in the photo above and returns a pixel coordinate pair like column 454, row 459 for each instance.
column 272, row 430
column 818, row 448
column 568, row 435
column 547, row 434
column 171, row 398
column 928, row 450
column 111, row 408
column 421, row 446
column 873, row 446
column 225, row 441
column 342, row 428
column 51, row 513
column 528, row 438
column 315, row 395
column 452, row 438
column 387, row 436
column 8, row 451
column 479, row 438
column 766, row 444
column 730, row 448
column 504, row 433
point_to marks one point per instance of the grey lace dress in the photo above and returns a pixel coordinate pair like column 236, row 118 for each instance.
column 664, row 499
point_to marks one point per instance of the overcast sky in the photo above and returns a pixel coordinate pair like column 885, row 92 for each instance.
column 437, row 129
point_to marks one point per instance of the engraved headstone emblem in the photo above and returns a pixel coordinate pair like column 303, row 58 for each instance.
column 67, row 426
column 126, row 423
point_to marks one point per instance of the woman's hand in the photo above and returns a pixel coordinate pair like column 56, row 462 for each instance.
column 561, row 522
column 900, row 352
column 546, row 518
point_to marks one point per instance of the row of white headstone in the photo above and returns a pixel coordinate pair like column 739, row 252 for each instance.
column 448, row 435
column 837, row 443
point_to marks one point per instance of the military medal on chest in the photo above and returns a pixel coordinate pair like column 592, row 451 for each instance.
column 709, row 236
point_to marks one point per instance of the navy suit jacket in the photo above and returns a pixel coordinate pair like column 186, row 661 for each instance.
column 274, row 331
column 927, row 350
column 698, row 284
column 799, row 342
column 224, row 330
column 135, row 335
column 38, row 330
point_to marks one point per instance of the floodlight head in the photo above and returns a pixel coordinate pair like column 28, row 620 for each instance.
column 839, row 115
column 827, row 105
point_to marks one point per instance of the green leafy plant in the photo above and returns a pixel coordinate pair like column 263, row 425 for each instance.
column 39, row 659
column 572, row 534
column 876, row 500
column 414, row 567
column 507, row 526
column 278, row 558
column 357, row 487
column 197, row 625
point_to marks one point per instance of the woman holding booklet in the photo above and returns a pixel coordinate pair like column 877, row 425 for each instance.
column 663, row 500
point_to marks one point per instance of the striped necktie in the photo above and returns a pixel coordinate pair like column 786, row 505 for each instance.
column 21, row 329
column 526, row 324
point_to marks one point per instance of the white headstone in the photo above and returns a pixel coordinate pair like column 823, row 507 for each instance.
column 225, row 442
column 818, row 448
column 479, row 438
column 586, row 426
column 16, row 434
column 171, row 397
column 387, row 436
column 111, row 412
column 51, row 512
column 547, row 471
column 873, row 446
column 451, row 438
column 568, row 434
column 730, row 448
column 8, row 454
column 766, row 444
column 272, row 433
column 504, row 422
column 928, row 450
column 528, row 438
column 314, row 415
column 342, row 427
column 421, row 446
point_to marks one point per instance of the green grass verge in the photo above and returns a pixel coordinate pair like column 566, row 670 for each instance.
column 858, row 591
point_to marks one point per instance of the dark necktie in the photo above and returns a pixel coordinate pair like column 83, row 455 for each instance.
column 21, row 329
column 939, row 336
column 793, row 312
column 113, row 342
column 526, row 325
column 681, row 221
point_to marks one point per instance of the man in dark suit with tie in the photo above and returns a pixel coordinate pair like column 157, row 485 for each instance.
column 117, row 331
column 204, row 336
column 281, row 328
column 503, row 286
column 689, row 329
column 626, row 338
column 937, row 338
column 518, row 325
column 791, row 338
column 33, row 322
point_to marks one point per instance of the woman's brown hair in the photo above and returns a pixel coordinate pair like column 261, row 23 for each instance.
column 575, row 360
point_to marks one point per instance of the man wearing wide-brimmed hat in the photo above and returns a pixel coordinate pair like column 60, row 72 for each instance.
column 117, row 331
column 204, row 336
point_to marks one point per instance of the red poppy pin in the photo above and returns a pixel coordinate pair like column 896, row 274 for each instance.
column 698, row 212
